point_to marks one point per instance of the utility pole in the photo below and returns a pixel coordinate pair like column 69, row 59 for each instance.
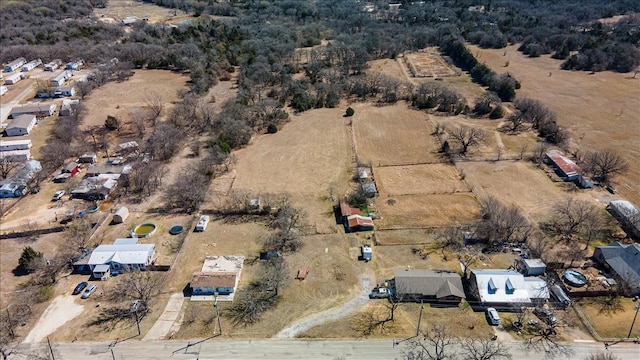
column 634, row 320
column 51, row 349
column 13, row 335
column 419, row 318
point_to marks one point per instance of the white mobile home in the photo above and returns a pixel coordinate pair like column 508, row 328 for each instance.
column 61, row 78
column 14, row 65
column 20, row 125
column 74, row 65
column 13, row 78
column 10, row 145
column 67, row 91
column 31, row 65
column 3, row 90
column 37, row 109
column 16, row 155
column 53, row 65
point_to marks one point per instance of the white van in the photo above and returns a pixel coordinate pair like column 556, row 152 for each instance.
column 492, row 315
column 202, row 223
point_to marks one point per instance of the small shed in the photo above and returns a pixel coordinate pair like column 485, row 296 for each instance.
column 532, row 267
column 370, row 189
column 71, row 168
column 120, row 215
column 87, row 158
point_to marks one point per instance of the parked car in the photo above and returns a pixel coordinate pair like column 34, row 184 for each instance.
column 58, row 195
column 492, row 316
column 78, row 289
column 545, row 315
column 380, row 293
column 88, row 291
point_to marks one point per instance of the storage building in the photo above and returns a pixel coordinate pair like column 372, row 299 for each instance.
column 120, row 215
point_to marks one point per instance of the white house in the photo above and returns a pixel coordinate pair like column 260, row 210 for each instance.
column 3, row 90
column 20, row 125
column 13, row 78
column 121, row 257
column 219, row 276
column 37, row 109
column 627, row 215
column 61, row 78
column 14, row 65
column 16, row 155
column 500, row 288
column 10, row 145
column 31, row 65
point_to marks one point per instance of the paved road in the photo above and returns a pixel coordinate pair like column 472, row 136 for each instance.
column 283, row 349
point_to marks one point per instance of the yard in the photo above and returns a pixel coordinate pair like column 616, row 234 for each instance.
column 419, row 179
column 611, row 321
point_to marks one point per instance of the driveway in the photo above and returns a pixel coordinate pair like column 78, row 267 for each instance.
column 165, row 323
column 62, row 309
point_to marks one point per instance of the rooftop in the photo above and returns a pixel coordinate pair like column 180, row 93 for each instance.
column 122, row 254
column 213, row 279
column 564, row 163
column 438, row 283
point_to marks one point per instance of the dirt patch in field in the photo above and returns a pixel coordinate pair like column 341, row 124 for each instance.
column 600, row 110
column 408, row 211
column 388, row 67
column 419, row 179
column 404, row 237
column 119, row 9
column 393, row 135
column 428, row 63
column 118, row 98
column 610, row 322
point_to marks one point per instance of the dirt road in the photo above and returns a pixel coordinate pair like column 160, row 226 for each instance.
column 62, row 309
column 366, row 283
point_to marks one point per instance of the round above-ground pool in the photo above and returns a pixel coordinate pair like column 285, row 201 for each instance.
column 144, row 230
column 176, row 229
column 93, row 208
column 574, row 278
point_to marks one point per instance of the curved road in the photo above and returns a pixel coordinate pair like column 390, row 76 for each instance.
column 281, row 350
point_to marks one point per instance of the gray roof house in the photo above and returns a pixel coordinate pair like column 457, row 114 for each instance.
column 39, row 109
column 20, row 125
column 624, row 261
column 438, row 286
column 627, row 215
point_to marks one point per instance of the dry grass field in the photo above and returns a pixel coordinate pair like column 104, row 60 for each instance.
column 393, row 135
column 611, row 324
column 119, row 9
column 419, row 179
column 416, row 211
column 118, row 98
column 428, row 63
column 600, row 110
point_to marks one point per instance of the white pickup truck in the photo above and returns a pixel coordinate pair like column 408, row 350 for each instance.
column 380, row 293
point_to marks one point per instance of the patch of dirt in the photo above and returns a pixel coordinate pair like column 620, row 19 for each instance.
column 61, row 310
column 419, row 179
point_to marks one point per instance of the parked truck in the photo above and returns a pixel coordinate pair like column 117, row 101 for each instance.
column 367, row 252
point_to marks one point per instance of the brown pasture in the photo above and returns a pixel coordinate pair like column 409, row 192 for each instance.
column 419, row 179
column 119, row 9
column 393, row 135
column 409, row 211
column 118, row 98
column 428, row 63
column 600, row 110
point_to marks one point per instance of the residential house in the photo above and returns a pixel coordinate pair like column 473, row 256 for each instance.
column 3, row 90
column 13, row 78
column 219, row 276
column 31, row 65
column 100, row 169
column 16, row 155
column 16, row 186
column 66, row 109
column 53, row 65
column 14, row 65
column 500, row 288
column 66, row 91
column 37, row 109
column 564, row 167
column 74, row 65
column 10, row 145
column 120, row 257
column 87, row 158
column 71, row 167
column 96, row 187
column 61, row 78
column 21, row 125
column 352, row 220
column 627, row 215
column 439, row 286
column 624, row 261
column 11, row 190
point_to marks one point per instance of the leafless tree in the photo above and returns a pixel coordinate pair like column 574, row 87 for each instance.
column 145, row 177
column 165, row 141
column 467, row 137
column 534, row 111
column 571, row 215
column 77, row 236
column 274, row 274
column 602, row 356
column 484, row 349
column 155, row 104
column 437, row 343
column 485, row 103
column 138, row 119
column 539, row 152
column 7, row 165
column 515, row 122
column 503, row 223
column 543, row 338
column 187, row 192
column 604, row 164
column 137, row 285
column 84, row 88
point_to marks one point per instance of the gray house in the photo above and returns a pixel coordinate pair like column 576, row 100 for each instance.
column 627, row 215
column 438, row 286
column 21, row 125
column 624, row 261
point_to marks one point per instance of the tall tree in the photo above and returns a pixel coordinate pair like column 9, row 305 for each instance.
column 604, row 164
column 467, row 137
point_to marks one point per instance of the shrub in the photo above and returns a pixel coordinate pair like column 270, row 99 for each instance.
column 272, row 129
column 350, row 111
column 497, row 112
column 27, row 257
column 111, row 123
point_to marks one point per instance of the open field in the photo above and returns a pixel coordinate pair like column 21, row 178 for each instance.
column 428, row 63
column 119, row 9
column 426, row 210
column 393, row 135
column 419, row 179
column 610, row 324
column 118, row 98
column 520, row 183
column 600, row 110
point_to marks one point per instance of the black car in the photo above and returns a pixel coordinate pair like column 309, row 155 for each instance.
column 78, row 289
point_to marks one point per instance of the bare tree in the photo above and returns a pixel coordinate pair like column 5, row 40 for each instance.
column 7, row 165
column 502, row 223
column 438, row 343
column 571, row 215
column 544, row 339
column 467, row 137
column 484, row 349
column 534, row 111
column 137, row 285
column 516, row 122
column 138, row 119
column 485, row 102
column 155, row 104
column 604, row 164
column 187, row 192
column 274, row 274
column 602, row 356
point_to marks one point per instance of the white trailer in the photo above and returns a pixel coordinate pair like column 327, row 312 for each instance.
column 13, row 78
column 3, row 90
column 31, row 65
column 10, row 145
column 53, row 65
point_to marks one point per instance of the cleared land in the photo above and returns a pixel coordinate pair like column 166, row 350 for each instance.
column 393, row 135
column 419, row 179
column 408, row 211
column 119, row 9
column 428, row 63
column 600, row 110
column 118, row 98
